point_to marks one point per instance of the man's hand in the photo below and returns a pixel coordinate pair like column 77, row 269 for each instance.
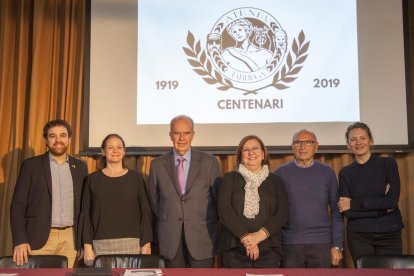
column 344, row 204
column 21, row 253
column 89, row 255
column 146, row 249
column 336, row 256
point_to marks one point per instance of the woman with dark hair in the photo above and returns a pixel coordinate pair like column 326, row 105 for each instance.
column 116, row 216
column 252, row 206
column 369, row 190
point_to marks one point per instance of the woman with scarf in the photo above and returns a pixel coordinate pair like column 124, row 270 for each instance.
column 253, row 207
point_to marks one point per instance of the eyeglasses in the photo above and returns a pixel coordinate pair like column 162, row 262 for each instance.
column 307, row 143
column 254, row 149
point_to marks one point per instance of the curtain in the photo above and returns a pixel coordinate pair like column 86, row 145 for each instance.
column 41, row 78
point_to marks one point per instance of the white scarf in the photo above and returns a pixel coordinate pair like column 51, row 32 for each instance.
column 253, row 182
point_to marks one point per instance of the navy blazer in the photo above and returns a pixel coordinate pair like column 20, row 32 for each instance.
column 31, row 207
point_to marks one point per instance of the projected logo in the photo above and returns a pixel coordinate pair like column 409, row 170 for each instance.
column 247, row 50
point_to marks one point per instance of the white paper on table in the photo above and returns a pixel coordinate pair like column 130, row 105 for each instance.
column 143, row 272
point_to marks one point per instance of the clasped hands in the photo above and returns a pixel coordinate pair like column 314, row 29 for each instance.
column 251, row 243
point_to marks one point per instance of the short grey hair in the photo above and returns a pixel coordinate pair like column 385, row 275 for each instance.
column 304, row 130
column 182, row 117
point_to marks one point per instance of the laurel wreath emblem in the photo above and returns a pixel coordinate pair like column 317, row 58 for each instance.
column 293, row 65
column 197, row 58
column 202, row 65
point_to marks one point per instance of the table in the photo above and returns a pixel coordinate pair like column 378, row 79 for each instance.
column 230, row 272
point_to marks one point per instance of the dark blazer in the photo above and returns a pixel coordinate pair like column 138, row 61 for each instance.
column 195, row 210
column 31, row 207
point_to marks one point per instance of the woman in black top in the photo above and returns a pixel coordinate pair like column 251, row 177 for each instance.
column 252, row 205
column 116, row 216
column 369, row 191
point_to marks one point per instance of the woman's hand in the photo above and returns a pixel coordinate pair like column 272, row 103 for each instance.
column 344, row 204
column 146, row 249
column 253, row 253
column 79, row 254
column 89, row 255
column 253, row 239
column 387, row 188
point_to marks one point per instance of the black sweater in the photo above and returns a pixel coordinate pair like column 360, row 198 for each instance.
column 371, row 209
column 115, row 207
column 273, row 210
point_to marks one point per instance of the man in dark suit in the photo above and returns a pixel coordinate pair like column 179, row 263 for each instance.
column 182, row 187
column 46, row 200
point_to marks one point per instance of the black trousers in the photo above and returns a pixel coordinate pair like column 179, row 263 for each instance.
column 307, row 255
column 364, row 244
column 237, row 258
column 184, row 259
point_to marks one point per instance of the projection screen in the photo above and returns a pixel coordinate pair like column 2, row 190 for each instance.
column 264, row 67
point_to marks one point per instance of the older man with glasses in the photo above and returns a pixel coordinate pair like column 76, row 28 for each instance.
column 313, row 236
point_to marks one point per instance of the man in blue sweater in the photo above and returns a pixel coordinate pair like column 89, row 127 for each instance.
column 312, row 237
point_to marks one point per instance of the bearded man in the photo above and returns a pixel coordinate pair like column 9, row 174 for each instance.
column 46, row 201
